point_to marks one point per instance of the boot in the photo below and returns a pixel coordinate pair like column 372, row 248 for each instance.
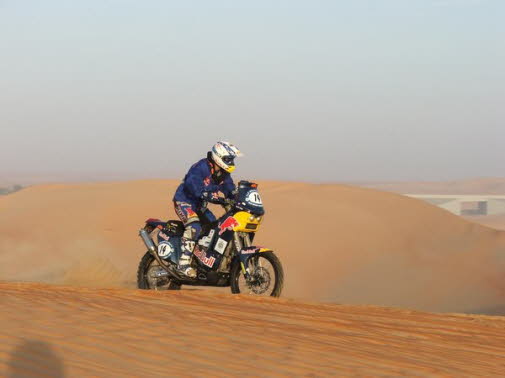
column 184, row 265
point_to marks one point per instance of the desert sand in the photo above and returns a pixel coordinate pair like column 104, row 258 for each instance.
column 491, row 186
column 496, row 221
column 339, row 244
column 56, row 330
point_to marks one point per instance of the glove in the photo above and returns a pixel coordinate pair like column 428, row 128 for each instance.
column 213, row 197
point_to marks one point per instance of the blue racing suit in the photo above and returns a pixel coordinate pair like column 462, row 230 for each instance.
column 200, row 186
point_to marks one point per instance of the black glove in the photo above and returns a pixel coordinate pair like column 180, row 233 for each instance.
column 213, row 197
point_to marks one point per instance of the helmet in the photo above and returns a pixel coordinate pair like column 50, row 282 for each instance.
column 224, row 154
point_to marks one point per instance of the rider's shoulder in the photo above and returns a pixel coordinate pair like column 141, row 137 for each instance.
column 201, row 166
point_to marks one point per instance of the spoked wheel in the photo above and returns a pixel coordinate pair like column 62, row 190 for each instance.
column 151, row 276
column 266, row 276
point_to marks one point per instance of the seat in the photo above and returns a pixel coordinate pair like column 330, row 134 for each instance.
column 175, row 227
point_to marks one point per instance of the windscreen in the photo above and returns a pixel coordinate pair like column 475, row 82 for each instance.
column 249, row 199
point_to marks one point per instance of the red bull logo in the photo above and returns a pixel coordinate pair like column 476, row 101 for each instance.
column 202, row 256
column 229, row 224
column 249, row 251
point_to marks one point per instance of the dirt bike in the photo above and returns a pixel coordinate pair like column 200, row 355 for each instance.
column 223, row 255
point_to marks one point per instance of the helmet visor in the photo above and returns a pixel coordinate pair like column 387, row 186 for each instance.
column 228, row 160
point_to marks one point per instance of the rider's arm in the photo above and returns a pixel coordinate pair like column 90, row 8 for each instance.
column 228, row 187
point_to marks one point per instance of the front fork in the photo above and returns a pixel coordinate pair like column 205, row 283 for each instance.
column 242, row 240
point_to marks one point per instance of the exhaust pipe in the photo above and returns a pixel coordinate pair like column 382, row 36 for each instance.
column 147, row 240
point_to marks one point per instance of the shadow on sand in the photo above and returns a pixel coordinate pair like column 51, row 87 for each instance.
column 34, row 358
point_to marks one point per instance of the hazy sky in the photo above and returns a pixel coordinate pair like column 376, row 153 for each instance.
column 309, row 90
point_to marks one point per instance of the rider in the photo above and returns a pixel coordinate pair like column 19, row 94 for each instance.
column 203, row 183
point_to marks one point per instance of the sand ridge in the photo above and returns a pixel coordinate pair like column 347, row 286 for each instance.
column 123, row 332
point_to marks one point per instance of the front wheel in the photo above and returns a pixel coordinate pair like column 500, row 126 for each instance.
column 151, row 276
column 266, row 276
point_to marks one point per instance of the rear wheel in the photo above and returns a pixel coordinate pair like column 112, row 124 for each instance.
column 151, row 276
column 266, row 276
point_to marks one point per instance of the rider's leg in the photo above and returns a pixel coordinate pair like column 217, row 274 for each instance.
column 209, row 215
column 192, row 230
column 188, row 241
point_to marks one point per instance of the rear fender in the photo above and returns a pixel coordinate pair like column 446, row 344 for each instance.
column 155, row 223
column 247, row 252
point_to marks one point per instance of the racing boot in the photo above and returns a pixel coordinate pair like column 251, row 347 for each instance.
column 184, row 266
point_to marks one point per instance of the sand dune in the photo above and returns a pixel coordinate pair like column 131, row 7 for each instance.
column 56, row 330
column 496, row 221
column 337, row 243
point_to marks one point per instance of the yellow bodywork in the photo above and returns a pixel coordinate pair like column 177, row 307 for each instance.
column 247, row 222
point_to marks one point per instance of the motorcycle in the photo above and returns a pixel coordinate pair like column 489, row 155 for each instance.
column 223, row 255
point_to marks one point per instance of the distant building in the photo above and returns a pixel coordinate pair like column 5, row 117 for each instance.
column 10, row 189
column 474, row 204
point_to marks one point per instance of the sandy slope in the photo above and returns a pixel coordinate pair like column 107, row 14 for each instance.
column 494, row 221
column 50, row 330
column 470, row 186
column 337, row 243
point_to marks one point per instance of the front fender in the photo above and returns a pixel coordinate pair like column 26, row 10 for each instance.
column 246, row 253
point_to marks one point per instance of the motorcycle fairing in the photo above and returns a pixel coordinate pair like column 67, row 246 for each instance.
column 173, row 243
column 204, row 253
column 248, row 198
column 209, row 258
column 206, row 258
column 244, row 222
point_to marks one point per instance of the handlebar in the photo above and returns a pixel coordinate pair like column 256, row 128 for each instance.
column 228, row 203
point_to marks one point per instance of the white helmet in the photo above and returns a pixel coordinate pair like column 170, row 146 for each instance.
column 223, row 154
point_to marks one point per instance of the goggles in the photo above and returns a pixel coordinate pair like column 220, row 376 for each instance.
column 228, row 160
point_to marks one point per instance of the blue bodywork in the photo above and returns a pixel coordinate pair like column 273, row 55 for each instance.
column 174, row 245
